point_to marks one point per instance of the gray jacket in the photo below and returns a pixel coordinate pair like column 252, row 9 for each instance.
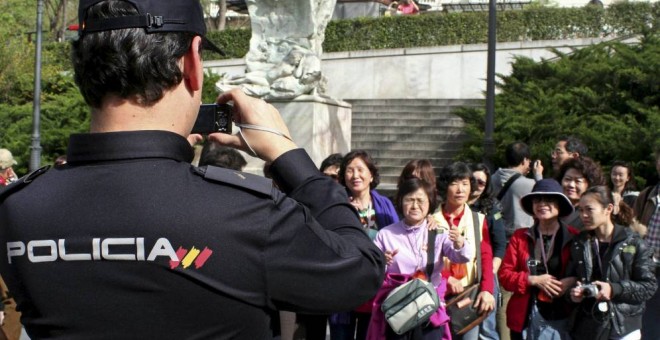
column 513, row 214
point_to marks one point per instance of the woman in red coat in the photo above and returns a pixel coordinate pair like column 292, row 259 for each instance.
column 534, row 266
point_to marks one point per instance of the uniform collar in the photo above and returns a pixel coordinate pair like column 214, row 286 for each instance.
column 126, row 145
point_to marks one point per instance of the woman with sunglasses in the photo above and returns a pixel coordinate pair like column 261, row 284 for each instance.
column 534, row 266
column 482, row 200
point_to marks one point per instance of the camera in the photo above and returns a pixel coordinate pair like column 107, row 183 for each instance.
column 590, row 290
column 213, row 118
column 536, row 267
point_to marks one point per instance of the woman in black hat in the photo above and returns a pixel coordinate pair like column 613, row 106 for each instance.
column 534, row 266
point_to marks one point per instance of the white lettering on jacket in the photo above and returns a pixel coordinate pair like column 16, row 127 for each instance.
column 133, row 249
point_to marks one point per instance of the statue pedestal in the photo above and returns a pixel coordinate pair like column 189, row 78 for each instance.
column 320, row 125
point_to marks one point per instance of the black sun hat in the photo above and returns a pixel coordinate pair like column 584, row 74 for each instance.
column 547, row 188
column 155, row 16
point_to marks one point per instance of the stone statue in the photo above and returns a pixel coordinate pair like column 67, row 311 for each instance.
column 284, row 61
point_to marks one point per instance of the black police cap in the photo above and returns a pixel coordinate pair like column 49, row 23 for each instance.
column 155, row 16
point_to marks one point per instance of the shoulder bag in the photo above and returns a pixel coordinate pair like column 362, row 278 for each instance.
column 414, row 302
column 460, row 308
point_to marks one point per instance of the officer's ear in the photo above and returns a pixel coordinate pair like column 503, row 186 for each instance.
column 193, row 71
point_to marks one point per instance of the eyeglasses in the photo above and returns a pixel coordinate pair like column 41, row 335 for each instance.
column 411, row 201
column 557, row 152
column 543, row 199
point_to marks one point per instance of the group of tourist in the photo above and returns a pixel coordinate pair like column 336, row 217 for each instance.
column 561, row 258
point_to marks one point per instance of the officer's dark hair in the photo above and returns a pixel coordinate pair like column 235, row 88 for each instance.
column 516, row 153
column 364, row 156
column 334, row 159
column 603, row 195
column 586, row 166
column 411, row 185
column 453, row 172
column 221, row 156
column 128, row 63
column 573, row 144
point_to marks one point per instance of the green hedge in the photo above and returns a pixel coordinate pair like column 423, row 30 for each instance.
column 438, row 29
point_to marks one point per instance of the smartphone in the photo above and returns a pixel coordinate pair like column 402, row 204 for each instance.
column 213, row 118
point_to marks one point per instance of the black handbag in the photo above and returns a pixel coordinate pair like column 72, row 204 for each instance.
column 460, row 308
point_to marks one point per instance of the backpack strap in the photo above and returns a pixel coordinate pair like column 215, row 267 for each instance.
column 477, row 245
column 507, row 185
column 430, row 253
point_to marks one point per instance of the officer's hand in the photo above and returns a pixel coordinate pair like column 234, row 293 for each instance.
column 247, row 110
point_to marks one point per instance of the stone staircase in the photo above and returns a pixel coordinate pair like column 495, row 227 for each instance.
column 394, row 131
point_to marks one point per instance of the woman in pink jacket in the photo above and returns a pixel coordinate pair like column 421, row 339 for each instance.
column 405, row 243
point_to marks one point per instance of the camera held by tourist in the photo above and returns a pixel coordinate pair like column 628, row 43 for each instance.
column 614, row 269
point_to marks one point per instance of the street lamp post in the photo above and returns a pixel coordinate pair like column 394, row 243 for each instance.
column 35, row 149
column 489, row 143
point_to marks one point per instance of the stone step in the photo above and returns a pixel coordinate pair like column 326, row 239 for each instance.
column 427, row 131
column 395, row 131
column 417, row 102
column 380, row 147
column 403, row 113
column 403, row 155
column 395, row 165
column 452, row 136
column 457, row 123
column 439, row 110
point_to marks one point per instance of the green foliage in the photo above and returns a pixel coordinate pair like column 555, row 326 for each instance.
column 209, row 93
column 610, row 84
column 439, row 29
column 607, row 94
column 234, row 42
column 63, row 111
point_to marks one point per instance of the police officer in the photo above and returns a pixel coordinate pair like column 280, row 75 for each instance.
column 129, row 241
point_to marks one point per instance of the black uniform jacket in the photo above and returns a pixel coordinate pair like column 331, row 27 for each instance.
column 129, row 241
column 628, row 267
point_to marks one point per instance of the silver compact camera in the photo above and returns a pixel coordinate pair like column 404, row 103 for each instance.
column 590, row 290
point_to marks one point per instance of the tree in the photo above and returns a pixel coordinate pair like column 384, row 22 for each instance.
column 216, row 19
column 606, row 94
